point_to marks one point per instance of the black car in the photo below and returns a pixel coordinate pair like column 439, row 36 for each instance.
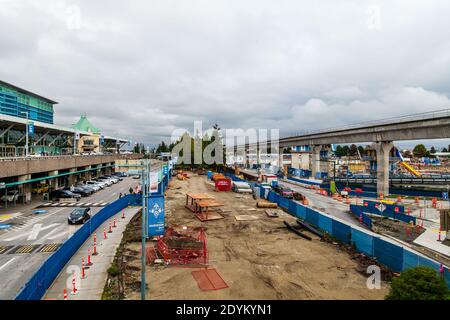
column 79, row 216
column 79, row 190
column 64, row 194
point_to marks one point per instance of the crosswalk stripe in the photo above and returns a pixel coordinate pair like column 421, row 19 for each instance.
column 87, row 204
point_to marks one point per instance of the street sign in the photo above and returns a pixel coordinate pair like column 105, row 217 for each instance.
column 381, row 207
column 165, row 169
column 102, row 139
column 445, row 195
column 155, row 216
column 31, row 128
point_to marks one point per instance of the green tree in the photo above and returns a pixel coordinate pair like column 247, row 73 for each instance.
column 432, row 150
column 353, row 151
column 420, row 151
column 444, row 149
column 419, row 283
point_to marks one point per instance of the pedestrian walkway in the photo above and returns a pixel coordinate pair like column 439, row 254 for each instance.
column 73, row 204
column 91, row 288
column 429, row 239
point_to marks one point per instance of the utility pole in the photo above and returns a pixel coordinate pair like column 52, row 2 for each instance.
column 145, row 178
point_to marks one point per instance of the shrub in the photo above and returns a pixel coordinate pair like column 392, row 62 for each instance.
column 419, row 283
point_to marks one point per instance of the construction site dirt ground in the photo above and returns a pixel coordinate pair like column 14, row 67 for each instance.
column 259, row 259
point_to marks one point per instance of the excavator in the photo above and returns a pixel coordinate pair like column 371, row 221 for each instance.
column 406, row 165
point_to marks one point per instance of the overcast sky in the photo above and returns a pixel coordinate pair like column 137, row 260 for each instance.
column 141, row 69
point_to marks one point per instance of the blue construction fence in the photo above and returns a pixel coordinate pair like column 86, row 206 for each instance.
column 38, row 284
column 387, row 252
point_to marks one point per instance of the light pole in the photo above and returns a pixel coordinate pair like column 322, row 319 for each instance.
column 26, row 133
column 145, row 178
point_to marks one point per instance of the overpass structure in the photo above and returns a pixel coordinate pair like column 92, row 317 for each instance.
column 381, row 133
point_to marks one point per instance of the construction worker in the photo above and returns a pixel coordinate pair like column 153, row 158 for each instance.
column 131, row 190
column 120, row 195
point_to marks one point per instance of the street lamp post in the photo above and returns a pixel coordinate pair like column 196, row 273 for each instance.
column 145, row 178
column 26, row 134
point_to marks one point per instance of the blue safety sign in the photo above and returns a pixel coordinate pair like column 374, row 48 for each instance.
column 31, row 128
column 445, row 195
column 155, row 216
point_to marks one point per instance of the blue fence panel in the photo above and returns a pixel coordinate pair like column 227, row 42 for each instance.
column 300, row 211
column 410, row 259
column 312, row 217
column 447, row 276
column 283, row 202
column 325, row 223
column 292, row 207
column 428, row 263
column 271, row 196
column 341, row 231
column 389, row 254
column 362, row 241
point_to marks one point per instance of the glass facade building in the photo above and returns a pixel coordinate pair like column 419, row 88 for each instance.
column 16, row 102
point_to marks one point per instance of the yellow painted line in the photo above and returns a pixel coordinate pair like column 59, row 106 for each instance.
column 5, row 217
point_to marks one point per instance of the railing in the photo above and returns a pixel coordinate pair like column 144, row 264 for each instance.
column 124, row 156
column 401, row 119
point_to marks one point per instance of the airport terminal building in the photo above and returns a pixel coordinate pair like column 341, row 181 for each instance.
column 55, row 156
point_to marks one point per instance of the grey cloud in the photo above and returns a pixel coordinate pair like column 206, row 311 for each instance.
column 144, row 68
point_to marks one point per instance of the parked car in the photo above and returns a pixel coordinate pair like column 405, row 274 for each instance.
column 105, row 181
column 79, row 216
column 88, row 188
column 98, row 184
column 10, row 196
column 93, row 185
column 78, row 190
column 283, row 191
column 64, row 194
column 121, row 174
column 137, row 176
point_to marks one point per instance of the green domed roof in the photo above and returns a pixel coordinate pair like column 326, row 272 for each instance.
column 85, row 125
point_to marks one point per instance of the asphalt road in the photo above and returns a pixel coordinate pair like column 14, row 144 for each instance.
column 21, row 245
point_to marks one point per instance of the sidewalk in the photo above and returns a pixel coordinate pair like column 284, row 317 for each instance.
column 429, row 239
column 91, row 288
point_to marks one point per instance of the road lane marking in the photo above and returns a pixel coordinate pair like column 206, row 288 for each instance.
column 7, row 263
column 30, row 232
column 35, row 231
column 56, row 236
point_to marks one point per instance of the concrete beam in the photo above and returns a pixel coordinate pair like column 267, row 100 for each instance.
column 382, row 150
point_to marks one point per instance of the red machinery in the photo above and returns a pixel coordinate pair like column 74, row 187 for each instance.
column 183, row 246
column 223, row 184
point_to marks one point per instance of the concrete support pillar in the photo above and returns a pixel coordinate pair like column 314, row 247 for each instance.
column 54, row 183
column 382, row 150
column 87, row 174
column 315, row 160
column 280, row 158
column 72, row 179
column 25, row 188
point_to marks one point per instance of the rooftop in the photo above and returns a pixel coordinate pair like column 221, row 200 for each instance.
column 6, row 84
